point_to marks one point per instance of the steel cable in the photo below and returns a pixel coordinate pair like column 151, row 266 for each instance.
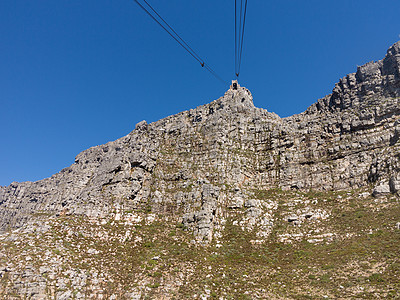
column 178, row 38
column 239, row 33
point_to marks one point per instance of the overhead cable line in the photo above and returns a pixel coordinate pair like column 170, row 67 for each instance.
column 241, row 43
column 177, row 38
column 239, row 33
column 235, row 39
column 199, row 58
column 213, row 73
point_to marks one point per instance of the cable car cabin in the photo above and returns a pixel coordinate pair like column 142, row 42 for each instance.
column 235, row 85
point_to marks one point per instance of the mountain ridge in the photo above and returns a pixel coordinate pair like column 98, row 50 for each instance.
column 275, row 136
column 224, row 200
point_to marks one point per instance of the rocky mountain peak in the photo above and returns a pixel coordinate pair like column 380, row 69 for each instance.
column 370, row 82
column 391, row 63
column 236, row 99
column 394, row 50
column 240, row 95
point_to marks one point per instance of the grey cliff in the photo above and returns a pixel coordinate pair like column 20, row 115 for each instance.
column 195, row 164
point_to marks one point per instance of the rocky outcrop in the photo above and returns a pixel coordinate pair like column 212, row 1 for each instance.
column 195, row 165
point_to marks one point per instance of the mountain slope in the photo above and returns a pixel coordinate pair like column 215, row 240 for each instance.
column 227, row 183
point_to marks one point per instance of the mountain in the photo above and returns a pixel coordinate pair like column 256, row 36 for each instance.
column 224, row 200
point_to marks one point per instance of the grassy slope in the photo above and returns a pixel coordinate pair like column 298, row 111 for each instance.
column 157, row 259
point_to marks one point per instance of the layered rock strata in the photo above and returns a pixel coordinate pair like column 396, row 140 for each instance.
column 195, row 165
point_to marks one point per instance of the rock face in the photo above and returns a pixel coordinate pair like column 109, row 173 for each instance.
column 223, row 201
column 199, row 163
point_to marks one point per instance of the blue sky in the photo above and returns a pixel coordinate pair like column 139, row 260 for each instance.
column 76, row 74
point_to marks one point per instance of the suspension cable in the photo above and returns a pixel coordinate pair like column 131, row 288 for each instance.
column 194, row 52
column 235, row 39
column 239, row 33
column 241, row 43
column 178, row 38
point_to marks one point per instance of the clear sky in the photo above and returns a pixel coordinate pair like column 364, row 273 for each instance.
column 76, row 74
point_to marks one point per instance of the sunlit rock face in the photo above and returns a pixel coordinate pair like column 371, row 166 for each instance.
column 196, row 165
column 225, row 200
